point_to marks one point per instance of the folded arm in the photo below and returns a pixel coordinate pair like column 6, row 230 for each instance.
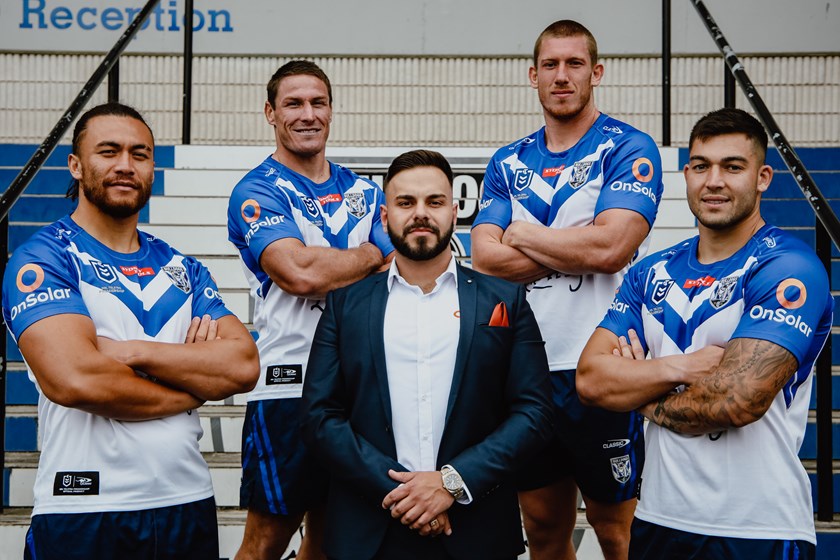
column 606, row 246
column 734, row 395
column 625, row 381
column 210, row 366
column 71, row 371
column 312, row 272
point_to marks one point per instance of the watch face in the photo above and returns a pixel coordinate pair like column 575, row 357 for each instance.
column 452, row 481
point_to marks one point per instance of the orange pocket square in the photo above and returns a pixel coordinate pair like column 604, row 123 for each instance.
column 499, row 318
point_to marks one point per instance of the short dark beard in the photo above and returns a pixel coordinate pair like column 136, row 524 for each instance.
column 422, row 252
column 98, row 196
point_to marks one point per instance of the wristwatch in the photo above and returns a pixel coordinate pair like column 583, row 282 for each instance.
column 452, row 481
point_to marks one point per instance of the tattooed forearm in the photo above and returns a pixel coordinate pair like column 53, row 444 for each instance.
column 737, row 393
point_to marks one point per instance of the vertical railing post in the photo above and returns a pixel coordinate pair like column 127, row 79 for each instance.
column 666, row 72
column 825, row 451
column 186, row 106
column 728, row 87
column 4, row 257
column 114, row 83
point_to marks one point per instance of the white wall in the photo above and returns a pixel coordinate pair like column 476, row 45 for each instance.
column 416, row 27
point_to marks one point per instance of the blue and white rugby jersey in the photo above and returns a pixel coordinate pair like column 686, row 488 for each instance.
column 744, row 482
column 91, row 463
column 273, row 202
column 612, row 166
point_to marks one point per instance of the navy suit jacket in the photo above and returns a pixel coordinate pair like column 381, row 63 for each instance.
column 499, row 414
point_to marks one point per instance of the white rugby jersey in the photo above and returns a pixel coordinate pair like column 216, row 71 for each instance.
column 90, row 463
column 612, row 166
column 744, row 482
column 273, row 202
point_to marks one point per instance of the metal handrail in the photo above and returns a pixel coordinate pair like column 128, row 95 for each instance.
column 828, row 220
column 15, row 190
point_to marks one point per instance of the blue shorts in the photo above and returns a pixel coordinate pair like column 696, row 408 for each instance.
column 604, row 451
column 649, row 541
column 168, row 533
column 279, row 475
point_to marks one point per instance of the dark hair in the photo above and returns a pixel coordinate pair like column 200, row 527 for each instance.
column 567, row 28
column 730, row 121
column 296, row 68
column 418, row 158
column 104, row 110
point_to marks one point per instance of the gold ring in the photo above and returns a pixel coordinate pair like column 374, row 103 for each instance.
column 433, row 523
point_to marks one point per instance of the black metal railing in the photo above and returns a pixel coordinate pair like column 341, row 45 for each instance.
column 15, row 190
column 827, row 227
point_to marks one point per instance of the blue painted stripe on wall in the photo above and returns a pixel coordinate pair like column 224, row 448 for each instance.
column 809, row 443
column 19, row 389
column 814, row 159
column 820, row 541
column 16, row 155
column 21, row 433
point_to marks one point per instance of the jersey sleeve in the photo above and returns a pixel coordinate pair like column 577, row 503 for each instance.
column 40, row 281
column 206, row 297
column 378, row 235
column 633, row 177
column 259, row 213
column 785, row 299
column 495, row 205
column 625, row 311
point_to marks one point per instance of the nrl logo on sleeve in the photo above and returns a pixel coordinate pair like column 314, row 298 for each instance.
column 522, row 178
column 356, row 204
column 104, row 272
column 723, row 292
column 660, row 290
column 178, row 275
column 580, row 174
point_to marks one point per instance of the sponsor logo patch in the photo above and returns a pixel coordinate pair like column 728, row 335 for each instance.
column 484, row 204
column 613, row 443
column 326, row 199
column 781, row 316
column 621, row 469
column 643, row 169
column 723, row 292
column 704, row 282
column 580, row 174
column 76, row 483
column 791, row 293
column 178, row 276
column 769, row 241
column 137, row 270
column 29, row 278
column 250, row 210
column 356, row 204
column 553, row 171
column 284, row 375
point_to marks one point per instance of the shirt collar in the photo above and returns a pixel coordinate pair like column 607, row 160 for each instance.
column 450, row 272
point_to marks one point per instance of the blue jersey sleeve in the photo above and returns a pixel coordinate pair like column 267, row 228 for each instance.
column 787, row 302
column 495, row 206
column 625, row 311
column 378, row 235
column 40, row 281
column 206, row 297
column 259, row 213
column 632, row 177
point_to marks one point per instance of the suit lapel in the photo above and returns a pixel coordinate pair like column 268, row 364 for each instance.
column 467, row 304
column 376, row 328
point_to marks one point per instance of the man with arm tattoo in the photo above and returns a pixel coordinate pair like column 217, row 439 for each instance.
column 733, row 320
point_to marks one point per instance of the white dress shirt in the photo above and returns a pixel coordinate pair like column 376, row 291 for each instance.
column 421, row 342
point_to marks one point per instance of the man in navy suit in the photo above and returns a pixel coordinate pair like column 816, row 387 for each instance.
column 427, row 387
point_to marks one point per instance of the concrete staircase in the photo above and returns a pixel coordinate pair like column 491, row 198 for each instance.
column 188, row 209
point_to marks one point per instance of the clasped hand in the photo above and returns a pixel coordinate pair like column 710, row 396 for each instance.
column 420, row 502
